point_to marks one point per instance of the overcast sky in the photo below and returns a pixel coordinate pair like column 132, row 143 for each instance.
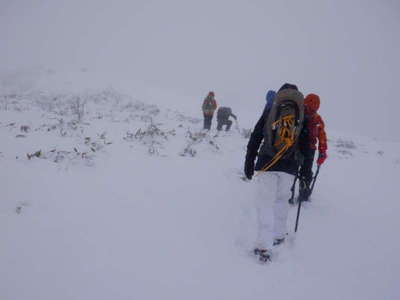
column 345, row 51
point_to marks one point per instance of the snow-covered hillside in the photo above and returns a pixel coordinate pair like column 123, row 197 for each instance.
column 107, row 197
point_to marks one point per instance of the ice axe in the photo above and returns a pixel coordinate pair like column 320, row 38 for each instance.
column 237, row 125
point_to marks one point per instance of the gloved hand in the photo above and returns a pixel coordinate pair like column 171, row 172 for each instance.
column 321, row 158
column 249, row 169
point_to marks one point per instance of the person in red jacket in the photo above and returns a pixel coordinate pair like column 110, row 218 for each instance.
column 315, row 131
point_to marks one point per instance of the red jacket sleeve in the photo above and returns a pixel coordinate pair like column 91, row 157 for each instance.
column 322, row 140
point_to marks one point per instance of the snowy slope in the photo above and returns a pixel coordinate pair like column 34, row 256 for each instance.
column 126, row 200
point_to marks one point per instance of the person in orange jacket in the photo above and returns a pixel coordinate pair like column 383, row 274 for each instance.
column 315, row 132
column 209, row 106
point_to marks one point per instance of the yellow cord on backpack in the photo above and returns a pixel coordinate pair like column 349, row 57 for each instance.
column 285, row 140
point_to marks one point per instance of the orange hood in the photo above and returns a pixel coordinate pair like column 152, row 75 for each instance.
column 311, row 103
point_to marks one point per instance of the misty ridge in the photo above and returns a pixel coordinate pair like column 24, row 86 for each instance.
column 346, row 52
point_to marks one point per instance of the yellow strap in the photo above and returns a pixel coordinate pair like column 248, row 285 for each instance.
column 285, row 137
column 275, row 159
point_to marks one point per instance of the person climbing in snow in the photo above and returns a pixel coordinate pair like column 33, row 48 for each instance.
column 223, row 115
column 277, row 131
column 314, row 131
column 209, row 107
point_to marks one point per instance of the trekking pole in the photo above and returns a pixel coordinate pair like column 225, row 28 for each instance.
column 293, row 188
column 237, row 125
column 298, row 215
column 300, row 200
column 315, row 179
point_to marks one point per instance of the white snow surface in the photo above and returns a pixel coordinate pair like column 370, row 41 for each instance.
column 127, row 200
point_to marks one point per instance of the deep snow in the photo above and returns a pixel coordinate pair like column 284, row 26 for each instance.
column 108, row 211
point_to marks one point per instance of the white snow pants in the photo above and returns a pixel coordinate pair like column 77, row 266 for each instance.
column 273, row 193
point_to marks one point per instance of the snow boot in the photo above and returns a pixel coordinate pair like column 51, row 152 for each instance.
column 304, row 190
column 263, row 255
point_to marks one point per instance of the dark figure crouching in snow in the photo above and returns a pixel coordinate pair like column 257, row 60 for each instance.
column 278, row 132
column 209, row 106
column 223, row 115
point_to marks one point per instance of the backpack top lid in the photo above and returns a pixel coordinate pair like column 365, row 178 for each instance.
column 288, row 86
column 270, row 98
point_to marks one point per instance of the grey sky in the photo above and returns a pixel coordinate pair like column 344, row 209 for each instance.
column 345, row 51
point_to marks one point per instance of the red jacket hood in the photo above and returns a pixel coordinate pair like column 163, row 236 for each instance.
column 311, row 103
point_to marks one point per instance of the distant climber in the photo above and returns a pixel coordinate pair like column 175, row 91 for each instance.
column 209, row 106
column 223, row 115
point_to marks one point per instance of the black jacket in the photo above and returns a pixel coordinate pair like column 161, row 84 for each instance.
column 288, row 164
column 224, row 113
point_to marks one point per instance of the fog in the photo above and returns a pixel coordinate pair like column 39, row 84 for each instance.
column 345, row 51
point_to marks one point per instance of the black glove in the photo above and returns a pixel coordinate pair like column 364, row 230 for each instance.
column 249, row 169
